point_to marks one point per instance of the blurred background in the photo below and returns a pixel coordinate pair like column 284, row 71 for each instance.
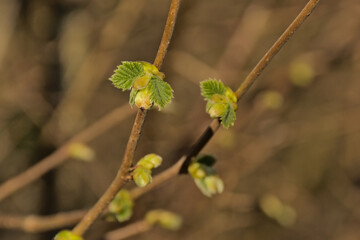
column 290, row 164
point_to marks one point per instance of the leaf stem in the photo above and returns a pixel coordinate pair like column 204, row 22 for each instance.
column 121, row 177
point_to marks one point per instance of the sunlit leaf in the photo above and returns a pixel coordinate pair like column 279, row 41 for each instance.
column 126, row 73
column 228, row 117
column 212, row 86
column 160, row 92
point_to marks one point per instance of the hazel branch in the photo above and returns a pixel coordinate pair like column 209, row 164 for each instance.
column 121, row 177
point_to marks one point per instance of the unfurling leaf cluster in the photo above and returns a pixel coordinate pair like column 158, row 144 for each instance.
column 205, row 177
column 221, row 101
column 121, row 207
column 142, row 172
column 165, row 219
column 146, row 83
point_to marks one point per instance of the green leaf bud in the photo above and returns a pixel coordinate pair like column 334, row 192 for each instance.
column 221, row 101
column 150, row 68
column 217, row 109
column 141, row 82
column 142, row 99
column 210, row 185
column 81, row 151
column 301, row 73
column 142, row 176
column 214, row 184
column 165, row 219
column 146, row 82
column 217, row 98
column 231, row 96
column 150, row 161
column 196, row 170
column 121, row 206
column 272, row 206
column 272, row 100
column 67, row 235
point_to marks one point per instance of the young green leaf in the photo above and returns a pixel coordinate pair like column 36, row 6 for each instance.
column 150, row 161
column 212, row 86
column 125, row 74
column 228, row 117
column 160, row 92
column 133, row 93
column 210, row 185
column 120, row 208
column 165, row 219
column 207, row 160
column 142, row 99
column 142, row 176
column 221, row 101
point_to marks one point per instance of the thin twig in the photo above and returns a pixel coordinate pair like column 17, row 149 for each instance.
column 167, row 34
column 61, row 154
column 33, row 223
column 251, row 77
column 275, row 48
column 123, row 173
column 120, row 179
column 128, row 231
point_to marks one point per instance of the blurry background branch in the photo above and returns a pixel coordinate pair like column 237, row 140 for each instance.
column 63, row 153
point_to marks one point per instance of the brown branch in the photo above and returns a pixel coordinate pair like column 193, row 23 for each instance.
column 123, row 173
column 275, row 48
column 120, row 179
column 61, row 154
column 168, row 31
column 251, row 77
column 33, row 223
column 128, row 231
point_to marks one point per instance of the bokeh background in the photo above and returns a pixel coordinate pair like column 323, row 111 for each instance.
column 291, row 163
